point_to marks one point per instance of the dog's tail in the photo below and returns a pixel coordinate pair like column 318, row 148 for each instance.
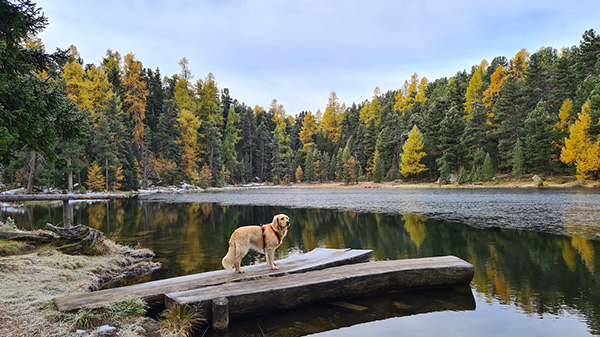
column 228, row 261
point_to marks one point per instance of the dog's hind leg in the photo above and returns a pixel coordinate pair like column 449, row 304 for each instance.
column 240, row 251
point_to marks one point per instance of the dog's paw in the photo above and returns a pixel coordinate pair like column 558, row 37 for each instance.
column 274, row 267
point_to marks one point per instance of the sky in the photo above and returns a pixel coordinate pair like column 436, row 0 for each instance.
column 299, row 51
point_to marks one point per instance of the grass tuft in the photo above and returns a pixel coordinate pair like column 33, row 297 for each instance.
column 180, row 321
column 128, row 308
column 86, row 319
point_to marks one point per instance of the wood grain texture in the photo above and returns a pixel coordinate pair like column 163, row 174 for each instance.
column 153, row 292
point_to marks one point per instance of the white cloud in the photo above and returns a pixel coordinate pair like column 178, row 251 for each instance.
column 298, row 51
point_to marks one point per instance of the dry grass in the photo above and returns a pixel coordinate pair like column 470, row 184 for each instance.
column 29, row 282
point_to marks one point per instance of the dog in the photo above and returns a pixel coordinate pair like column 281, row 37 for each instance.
column 262, row 238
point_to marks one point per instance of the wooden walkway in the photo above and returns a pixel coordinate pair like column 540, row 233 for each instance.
column 67, row 208
column 153, row 292
column 289, row 291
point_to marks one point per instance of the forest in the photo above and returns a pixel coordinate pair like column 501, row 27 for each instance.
column 117, row 125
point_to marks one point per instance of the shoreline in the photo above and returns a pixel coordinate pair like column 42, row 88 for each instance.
column 553, row 183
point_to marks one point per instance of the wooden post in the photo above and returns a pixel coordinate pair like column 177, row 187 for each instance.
column 67, row 214
column 220, row 313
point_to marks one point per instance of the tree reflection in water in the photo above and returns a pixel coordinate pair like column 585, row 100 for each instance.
column 537, row 272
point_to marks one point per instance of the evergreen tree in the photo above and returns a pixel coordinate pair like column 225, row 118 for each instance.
column 214, row 154
column 231, row 139
column 487, row 170
column 444, row 173
column 518, row 159
column 379, row 170
column 462, row 176
column 539, row 137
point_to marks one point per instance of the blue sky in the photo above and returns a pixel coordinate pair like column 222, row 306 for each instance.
column 299, row 51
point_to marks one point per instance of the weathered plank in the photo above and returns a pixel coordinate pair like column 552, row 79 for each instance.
column 328, row 284
column 152, row 292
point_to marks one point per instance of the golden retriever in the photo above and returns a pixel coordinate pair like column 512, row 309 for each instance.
column 262, row 238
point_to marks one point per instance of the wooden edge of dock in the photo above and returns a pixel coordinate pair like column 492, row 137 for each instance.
column 352, row 280
column 153, row 292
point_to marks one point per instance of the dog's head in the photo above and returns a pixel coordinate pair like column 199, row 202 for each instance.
column 281, row 222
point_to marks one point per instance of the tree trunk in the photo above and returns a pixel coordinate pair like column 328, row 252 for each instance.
column 106, row 170
column 32, row 163
column 69, row 175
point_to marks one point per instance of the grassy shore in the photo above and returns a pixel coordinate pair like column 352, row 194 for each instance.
column 31, row 276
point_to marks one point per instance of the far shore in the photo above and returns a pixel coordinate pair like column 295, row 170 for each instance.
column 508, row 183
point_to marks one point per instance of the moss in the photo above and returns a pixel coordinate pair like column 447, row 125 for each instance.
column 8, row 248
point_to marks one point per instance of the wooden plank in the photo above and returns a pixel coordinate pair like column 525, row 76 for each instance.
column 31, row 197
column 153, row 292
column 329, row 284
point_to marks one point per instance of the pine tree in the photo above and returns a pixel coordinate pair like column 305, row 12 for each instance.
column 444, row 173
column 309, row 167
column 231, row 139
column 462, row 176
column 487, row 170
column 412, row 153
column 540, row 137
column 518, row 159
column 379, row 169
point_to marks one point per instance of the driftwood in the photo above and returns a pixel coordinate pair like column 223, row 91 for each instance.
column 82, row 237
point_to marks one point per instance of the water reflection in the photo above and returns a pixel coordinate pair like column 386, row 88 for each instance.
column 538, row 272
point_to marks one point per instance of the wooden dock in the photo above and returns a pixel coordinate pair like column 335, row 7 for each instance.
column 153, row 292
column 262, row 295
column 67, row 208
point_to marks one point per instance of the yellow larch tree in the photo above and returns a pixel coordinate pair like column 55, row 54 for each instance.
column 135, row 97
column 412, row 153
column 308, row 132
column 331, row 123
column 518, row 65
column 372, row 110
column 406, row 95
column 496, row 81
column 421, row 88
column 579, row 148
column 564, row 116
column 474, row 93
column 95, row 179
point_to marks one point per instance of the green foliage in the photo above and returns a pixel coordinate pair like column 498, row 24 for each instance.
column 462, row 176
column 445, row 173
column 487, row 170
column 518, row 160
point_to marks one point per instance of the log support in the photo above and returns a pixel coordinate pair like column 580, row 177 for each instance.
column 220, row 314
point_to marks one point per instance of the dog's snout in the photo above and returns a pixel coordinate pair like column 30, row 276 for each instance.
column 287, row 223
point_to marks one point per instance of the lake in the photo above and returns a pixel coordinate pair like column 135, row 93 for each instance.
column 534, row 251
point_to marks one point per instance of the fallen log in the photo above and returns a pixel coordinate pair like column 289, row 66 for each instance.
column 83, row 236
column 26, row 236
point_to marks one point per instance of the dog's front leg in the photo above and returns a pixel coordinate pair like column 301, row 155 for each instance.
column 270, row 254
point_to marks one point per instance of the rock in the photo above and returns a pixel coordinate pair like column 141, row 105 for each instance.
column 537, row 178
column 453, row 178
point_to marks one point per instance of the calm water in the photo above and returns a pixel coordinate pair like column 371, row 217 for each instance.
column 534, row 252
